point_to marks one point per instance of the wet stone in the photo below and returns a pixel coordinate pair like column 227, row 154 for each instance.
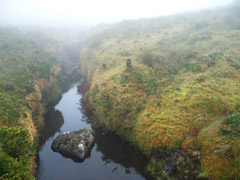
column 76, row 145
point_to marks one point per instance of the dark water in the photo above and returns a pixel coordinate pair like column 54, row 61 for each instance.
column 111, row 158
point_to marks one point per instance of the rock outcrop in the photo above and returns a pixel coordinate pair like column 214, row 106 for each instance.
column 76, row 144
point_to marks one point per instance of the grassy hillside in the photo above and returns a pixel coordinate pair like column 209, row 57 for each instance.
column 27, row 76
column 171, row 82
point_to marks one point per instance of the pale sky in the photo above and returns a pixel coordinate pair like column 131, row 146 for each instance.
column 67, row 12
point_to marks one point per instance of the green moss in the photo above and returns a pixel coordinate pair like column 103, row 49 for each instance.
column 22, row 61
column 52, row 94
column 231, row 126
column 11, row 109
column 195, row 68
column 15, row 141
column 156, row 170
column 18, row 149
column 180, row 81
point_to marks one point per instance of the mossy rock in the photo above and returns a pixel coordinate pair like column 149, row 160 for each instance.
column 76, row 145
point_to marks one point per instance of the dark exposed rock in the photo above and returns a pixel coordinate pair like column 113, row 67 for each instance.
column 178, row 88
column 167, row 91
column 173, row 164
column 76, row 145
column 104, row 66
column 129, row 64
column 148, row 114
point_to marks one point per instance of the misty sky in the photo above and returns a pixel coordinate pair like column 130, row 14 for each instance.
column 67, row 12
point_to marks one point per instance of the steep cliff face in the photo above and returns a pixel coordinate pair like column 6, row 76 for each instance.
column 27, row 83
column 36, row 101
column 170, row 82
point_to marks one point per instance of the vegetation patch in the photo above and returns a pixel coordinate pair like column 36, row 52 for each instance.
column 25, row 68
column 231, row 127
column 16, row 144
column 180, row 84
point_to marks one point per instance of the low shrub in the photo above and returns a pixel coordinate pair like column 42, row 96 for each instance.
column 231, row 127
column 15, row 141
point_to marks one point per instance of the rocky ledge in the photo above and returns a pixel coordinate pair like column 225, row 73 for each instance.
column 76, row 145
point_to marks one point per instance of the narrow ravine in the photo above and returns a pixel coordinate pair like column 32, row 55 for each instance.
column 111, row 157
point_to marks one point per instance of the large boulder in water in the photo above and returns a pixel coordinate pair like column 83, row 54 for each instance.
column 76, row 145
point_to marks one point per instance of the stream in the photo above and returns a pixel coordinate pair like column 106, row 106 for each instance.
column 111, row 158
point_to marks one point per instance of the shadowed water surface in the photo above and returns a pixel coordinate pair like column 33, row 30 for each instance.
column 111, row 158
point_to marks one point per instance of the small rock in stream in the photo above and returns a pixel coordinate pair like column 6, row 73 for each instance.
column 76, row 145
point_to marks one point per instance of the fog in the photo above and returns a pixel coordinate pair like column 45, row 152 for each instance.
column 91, row 12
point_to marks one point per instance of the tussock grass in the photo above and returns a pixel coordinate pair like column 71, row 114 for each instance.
column 185, row 76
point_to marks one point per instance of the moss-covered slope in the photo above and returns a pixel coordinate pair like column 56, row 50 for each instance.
column 178, row 88
column 27, row 78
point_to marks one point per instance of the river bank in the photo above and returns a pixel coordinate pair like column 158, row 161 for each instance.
column 159, row 83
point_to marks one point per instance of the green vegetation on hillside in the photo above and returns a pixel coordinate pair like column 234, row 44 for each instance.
column 182, row 90
column 25, row 70
column 16, row 150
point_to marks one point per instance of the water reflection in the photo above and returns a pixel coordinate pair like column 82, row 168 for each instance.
column 53, row 122
column 115, row 149
column 111, row 157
